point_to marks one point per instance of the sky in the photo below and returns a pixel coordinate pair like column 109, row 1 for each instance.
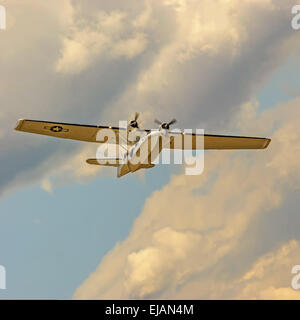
column 70, row 230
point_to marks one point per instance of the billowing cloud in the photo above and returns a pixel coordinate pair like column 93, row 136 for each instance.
column 34, row 90
column 269, row 277
column 209, row 57
column 189, row 229
column 197, row 61
column 259, row 281
column 104, row 34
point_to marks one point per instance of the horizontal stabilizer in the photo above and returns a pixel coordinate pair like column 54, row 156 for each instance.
column 109, row 162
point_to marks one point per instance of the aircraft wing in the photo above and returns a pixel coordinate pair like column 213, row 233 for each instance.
column 217, row 142
column 178, row 140
column 78, row 132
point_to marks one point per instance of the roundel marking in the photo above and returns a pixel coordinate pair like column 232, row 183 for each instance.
column 56, row 129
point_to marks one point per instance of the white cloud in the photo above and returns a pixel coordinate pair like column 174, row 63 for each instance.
column 193, row 224
column 150, row 269
column 194, row 60
column 105, row 34
column 270, row 277
column 130, row 48
column 205, row 58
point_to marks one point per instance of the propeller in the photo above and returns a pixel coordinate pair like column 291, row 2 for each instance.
column 133, row 123
column 165, row 125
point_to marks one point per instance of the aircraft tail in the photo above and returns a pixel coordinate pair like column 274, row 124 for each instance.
column 111, row 162
column 122, row 168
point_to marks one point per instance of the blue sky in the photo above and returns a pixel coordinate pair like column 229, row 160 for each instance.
column 51, row 242
column 283, row 85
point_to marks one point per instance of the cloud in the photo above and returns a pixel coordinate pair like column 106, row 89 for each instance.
column 175, row 243
column 195, row 60
column 205, row 51
column 150, row 269
column 47, row 186
column 198, row 61
column 104, row 34
column 33, row 90
column 270, row 277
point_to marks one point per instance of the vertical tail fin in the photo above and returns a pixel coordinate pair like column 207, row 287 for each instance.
column 122, row 170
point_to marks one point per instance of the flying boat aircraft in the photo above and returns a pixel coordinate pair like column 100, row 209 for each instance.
column 140, row 151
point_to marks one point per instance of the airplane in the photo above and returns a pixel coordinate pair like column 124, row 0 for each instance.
column 139, row 152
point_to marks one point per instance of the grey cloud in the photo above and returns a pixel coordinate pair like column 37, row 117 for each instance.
column 207, row 242
column 32, row 89
column 205, row 88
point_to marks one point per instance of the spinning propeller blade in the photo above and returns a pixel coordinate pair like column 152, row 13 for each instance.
column 165, row 125
column 133, row 123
